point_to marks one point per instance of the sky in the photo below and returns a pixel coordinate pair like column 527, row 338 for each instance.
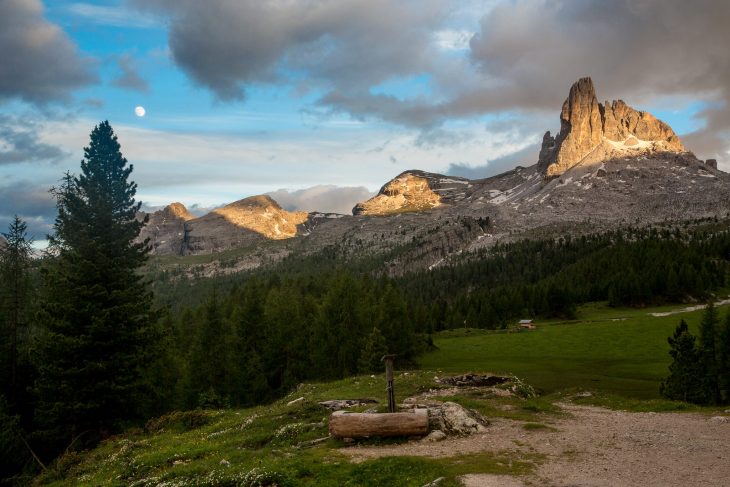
column 320, row 102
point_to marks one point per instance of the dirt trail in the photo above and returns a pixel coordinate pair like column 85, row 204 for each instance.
column 595, row 447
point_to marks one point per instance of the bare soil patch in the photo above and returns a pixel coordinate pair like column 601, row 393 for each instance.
column 593, row 447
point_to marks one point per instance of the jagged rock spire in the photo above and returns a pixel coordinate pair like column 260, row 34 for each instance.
column 585, row 124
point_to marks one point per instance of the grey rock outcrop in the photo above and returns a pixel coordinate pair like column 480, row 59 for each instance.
column 166, row 229
column 414, row 191
column 586, row 125
column 454, row 419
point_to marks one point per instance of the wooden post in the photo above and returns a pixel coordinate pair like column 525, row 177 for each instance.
column 388, row 359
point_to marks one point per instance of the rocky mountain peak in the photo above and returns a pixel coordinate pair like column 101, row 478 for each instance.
column 177, row 210
column 262, row 215
column 588, row 127
column 409, row 191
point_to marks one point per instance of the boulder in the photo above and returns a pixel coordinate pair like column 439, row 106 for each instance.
column 454, row 419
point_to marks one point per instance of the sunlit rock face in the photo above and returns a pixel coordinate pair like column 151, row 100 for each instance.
column 262, row 215
column 407, row 192
column 246, row 222
column 165, row 229
column 588, row 127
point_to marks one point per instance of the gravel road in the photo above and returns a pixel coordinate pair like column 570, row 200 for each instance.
column 594, row 447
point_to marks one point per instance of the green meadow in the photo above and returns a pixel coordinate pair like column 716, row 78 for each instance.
column 621, row 352
column 619, row 355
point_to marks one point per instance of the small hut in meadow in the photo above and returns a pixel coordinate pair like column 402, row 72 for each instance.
column 526, row 325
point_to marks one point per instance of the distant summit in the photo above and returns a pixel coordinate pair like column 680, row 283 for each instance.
column 595, row 131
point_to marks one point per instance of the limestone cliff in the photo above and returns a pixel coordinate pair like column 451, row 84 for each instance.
column 407, row 192
column 165, row 229
column 587, row 126
column 262, row 215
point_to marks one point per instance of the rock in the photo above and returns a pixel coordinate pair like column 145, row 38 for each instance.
column 586, row 125
column 547, row 150
column 720, row 419
column 295, row 401
column 581, row 128
column 338, row 404
column 225, row 463
column 435, row 483
column 453, row 419
column 473, row 380
column 712, row 163
column 434, row 436
column 166, row 229
column 407, row 192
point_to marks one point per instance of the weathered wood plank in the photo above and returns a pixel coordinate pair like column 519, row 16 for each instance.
column 360, row 425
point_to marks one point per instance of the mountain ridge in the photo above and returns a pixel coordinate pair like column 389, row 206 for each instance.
column 609, row 164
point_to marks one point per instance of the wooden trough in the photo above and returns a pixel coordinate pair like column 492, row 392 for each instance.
column 344, row 424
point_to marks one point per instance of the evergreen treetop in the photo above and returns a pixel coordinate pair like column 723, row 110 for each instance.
column 97, row 309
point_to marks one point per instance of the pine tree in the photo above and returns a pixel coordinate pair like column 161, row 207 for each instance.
column 14, row 297
column 708, row 353
column 724, row 358
column 372, row 353
column 96, row 310
column 685, row 376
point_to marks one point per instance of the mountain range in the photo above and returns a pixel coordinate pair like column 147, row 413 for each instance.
column 609, row 165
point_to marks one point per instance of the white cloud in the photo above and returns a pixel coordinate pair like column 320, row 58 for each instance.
column 210, row 169
column 453, row 40
column 113, row 16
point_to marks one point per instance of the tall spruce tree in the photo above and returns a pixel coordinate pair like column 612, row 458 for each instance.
column 96, row 310
column 14, row 299
column 708, row 353
column 724, row 358
column 685, row 374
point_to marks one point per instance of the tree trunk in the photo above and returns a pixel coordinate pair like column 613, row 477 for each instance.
column 360, row 425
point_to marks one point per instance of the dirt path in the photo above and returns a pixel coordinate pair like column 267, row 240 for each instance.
column 689, row 309
column 596, row 447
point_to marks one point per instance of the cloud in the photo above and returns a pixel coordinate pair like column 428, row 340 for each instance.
column 129, row 77
column 20, row 142
column 112, row 16
column 31, row 202
column 453, row 40
column 324, row 198
column 523, row 56
column 523, row 157
column 349, row 45
column 40, row 63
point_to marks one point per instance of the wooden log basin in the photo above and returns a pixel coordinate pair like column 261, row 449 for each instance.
column 344, row 424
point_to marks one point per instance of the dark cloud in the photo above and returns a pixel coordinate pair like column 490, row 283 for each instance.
column 349, row 45
column 33, row 203
column 325, row 198
column 523, row 57
column 523, row 157
column 19, row 142
column 129, row 78
column 637, row 51
column 39, row 62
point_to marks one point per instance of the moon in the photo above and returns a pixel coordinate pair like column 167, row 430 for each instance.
column 139, row 111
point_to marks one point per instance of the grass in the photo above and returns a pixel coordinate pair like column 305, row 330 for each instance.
column 269, row 443
column 617, row 352
column 620, row 356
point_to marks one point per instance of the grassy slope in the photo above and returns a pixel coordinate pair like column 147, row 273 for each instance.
column 622, row 352
column 627, row 357
column 232, row 447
